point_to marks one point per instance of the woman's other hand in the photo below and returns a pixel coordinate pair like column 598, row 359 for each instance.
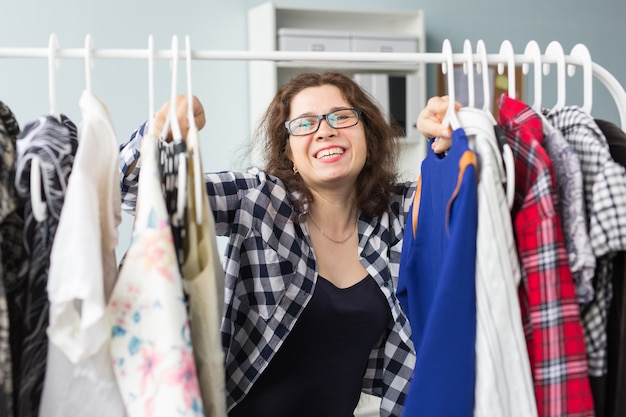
column 429, row 122
column 181, row 114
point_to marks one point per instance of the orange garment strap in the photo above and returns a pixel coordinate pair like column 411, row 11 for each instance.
column 416, row 204
column 468, row 158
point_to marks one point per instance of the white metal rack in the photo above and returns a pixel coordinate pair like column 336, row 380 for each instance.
column 321, row 58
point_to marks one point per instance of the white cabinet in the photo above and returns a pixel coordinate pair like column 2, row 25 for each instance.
column 370, row 30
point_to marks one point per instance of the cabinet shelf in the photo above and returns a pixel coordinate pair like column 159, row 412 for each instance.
column 266, row 19
column 386, row 68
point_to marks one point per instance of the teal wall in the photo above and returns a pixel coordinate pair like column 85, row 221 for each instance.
column 222, row 86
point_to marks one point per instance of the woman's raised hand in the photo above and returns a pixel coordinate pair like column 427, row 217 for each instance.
column 182, row 104
column 429, row 122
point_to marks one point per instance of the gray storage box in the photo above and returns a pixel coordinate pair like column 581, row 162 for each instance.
column 292, row 39
column 382, row 42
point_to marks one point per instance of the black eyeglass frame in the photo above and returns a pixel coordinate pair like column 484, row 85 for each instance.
column 324, row 117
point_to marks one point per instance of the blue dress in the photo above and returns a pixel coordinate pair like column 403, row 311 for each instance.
column 436, row 285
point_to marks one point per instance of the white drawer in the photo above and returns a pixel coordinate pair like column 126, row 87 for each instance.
column 292, row 39
column 372, row 42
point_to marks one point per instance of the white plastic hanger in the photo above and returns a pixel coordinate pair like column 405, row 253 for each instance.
column 482, row 67
column 507, row 154
column 532, row 50
column 53, row 65
column 555, row 51
column 198, row 180
column 581, row 51
column 38, row 204
column 171, row 118
column 150, row 84
column 447, row 67
column 506, row 49
column 89, row 65
column 181, row 177
column 468, row 69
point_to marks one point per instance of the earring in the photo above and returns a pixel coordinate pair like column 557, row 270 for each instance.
column 295, row 170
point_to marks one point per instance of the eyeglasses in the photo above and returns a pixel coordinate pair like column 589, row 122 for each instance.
column 337, row 119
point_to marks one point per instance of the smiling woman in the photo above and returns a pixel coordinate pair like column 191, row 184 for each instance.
column 335, row 91
column 311, row 316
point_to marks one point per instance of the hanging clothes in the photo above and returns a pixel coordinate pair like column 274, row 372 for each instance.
column 79, row 379
column 504, row 385
column 550, row 311
column 11, row 248
column 53, row 141
column 204, row 285
column 605, row 202
column 611, row 402
column 436, row 283
column 616, row 359
column 151, row 345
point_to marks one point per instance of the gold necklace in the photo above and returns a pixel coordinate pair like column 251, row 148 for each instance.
column 330, row 238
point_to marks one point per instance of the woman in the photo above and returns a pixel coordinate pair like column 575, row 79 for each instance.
column 311, row 316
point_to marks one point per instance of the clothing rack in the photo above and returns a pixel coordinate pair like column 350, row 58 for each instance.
column 53, row 52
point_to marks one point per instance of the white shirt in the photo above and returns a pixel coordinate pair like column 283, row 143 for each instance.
column 83, row 269
column 504, row 386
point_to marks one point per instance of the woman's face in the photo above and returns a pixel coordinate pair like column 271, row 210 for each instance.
column 329, row 157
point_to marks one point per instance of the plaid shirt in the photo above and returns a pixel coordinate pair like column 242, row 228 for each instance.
column 550, row 312
column 605, row 201
column 270, row 273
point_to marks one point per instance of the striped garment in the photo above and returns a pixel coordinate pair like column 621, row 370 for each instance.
column 54, row 142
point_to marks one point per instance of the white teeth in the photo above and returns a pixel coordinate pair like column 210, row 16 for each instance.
column 327, row 153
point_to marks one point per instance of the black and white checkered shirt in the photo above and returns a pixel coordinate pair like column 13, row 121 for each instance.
column 270, row 273
column 605, row 200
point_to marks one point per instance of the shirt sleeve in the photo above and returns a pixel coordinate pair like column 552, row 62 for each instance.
column 129, row 153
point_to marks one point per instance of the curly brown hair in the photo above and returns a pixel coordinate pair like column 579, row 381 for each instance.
column 377, row 178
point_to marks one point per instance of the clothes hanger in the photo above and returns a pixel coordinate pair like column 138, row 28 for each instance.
column 38, row 204
column 171, row 118
column 447, row 67
column 580, row 51
column 198, row 182
column 482, row 67
column 506, row 49
column 151, row 84
column 534, row 52
column 181, row 178
column 53, row 65
column 468, row 69
column 554, row 51
column 507, row 154
column 89, row 64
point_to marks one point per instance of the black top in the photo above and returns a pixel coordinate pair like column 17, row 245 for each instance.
column 319, row 370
